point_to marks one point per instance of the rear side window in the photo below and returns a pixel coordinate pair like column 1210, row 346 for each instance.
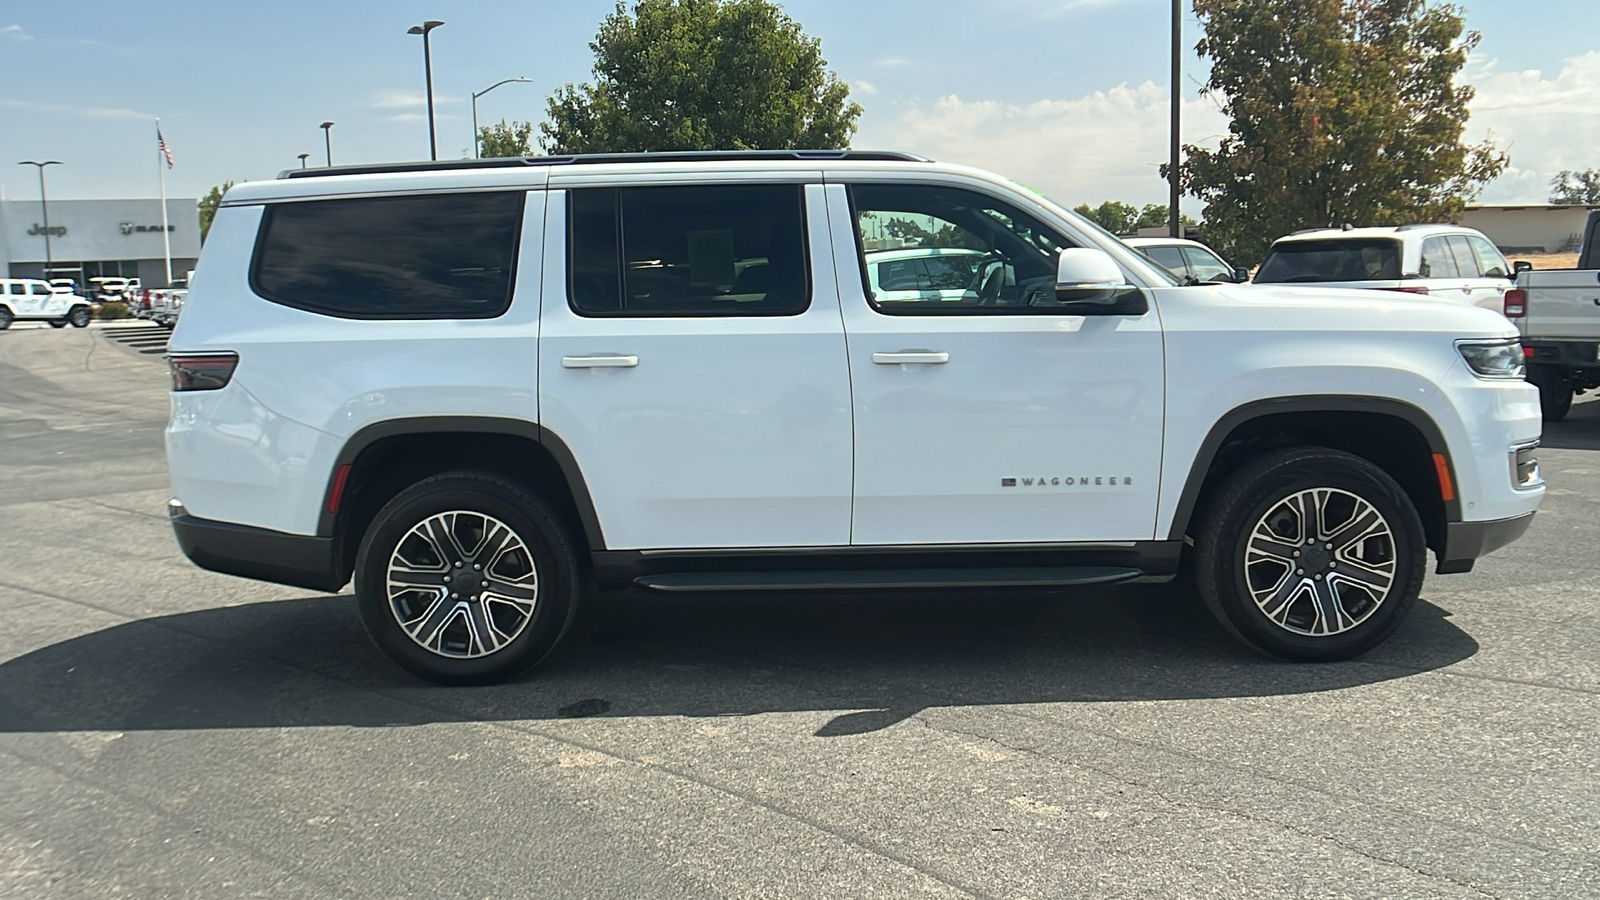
column 1489, row 259
column 1351, row 259
column 1437, row 260
column 1171, row 257
column 692, row 250
column 436, row 256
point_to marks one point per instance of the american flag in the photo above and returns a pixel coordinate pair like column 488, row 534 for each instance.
column 161, row 142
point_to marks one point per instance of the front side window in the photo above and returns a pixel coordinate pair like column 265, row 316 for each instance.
column 977, row 255
column 1343, row 259
column 38, row 289
column 1206, row 266
column 1170, row 257
column 1490, row 262
column 434, row 256
column 691, row 250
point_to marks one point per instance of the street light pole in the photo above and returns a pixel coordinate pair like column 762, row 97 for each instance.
column 1177, row 96
column 303, row 159
column 477, row 150
column 427, row 67
column 327, row 142
column 44, row 208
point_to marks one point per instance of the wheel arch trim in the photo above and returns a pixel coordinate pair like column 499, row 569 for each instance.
column 1259, row 409
column 422, row 425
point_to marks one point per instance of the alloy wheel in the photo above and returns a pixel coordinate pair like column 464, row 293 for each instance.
column 462, row 584
column 1320, row 562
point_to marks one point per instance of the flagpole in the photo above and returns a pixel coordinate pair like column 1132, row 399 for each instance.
column 166, row 236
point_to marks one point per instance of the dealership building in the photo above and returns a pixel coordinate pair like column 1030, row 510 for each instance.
column 98, row 237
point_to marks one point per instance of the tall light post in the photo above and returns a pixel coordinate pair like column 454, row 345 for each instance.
column 44, row 208
column 302, row 158
column 1177, row 97
column 477, row 150
column 427, row 68
column 327, row 142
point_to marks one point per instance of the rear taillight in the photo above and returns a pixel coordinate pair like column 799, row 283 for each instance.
column 202, row 371
column 1516, row 303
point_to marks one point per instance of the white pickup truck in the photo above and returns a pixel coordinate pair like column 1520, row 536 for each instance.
column 1558, row 313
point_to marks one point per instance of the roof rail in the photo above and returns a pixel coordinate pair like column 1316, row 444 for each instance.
column 596, row 158
column 1415, row 225
column 1311, row 230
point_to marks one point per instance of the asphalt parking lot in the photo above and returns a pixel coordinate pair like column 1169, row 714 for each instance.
column 166, row 732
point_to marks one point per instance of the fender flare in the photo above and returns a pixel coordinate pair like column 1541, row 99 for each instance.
column 1258, row 409
column 557, row 448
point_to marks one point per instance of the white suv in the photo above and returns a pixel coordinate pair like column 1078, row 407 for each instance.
column 476, row 387
column 1447, row 262
column 32, row 300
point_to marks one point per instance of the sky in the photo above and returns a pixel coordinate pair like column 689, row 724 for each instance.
column 1066, row 96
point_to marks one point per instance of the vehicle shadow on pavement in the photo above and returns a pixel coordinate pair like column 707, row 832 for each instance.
column 1580, row 430
column 875, row 659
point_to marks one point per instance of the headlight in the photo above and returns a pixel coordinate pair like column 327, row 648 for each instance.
column 1493, row 359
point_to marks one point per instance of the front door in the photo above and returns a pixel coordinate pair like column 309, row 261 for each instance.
column 992, row 419
column 693, row 360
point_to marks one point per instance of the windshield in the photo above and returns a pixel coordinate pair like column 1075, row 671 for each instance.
column 1349, row 259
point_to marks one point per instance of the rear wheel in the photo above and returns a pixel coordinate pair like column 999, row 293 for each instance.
column 1310, row 554
column 1555, row 393
column 6, row 318
column 79, row 317
column 467, row 578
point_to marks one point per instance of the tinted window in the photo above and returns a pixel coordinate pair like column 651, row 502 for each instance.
column 1466, row 263
column 1351, row 259
column 1170, row 257
column 691, row 250
column 1206, row 266
column 443, row 256
column 1490, row 262
column 899, row 275
column 995, row 259
column 38, row 289
column 1437, row 261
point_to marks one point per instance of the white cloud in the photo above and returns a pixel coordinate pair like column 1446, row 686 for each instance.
column 388, row 99
column 893, row 62
column 84, row 112
column 1545, row 124
column 1107, row 145
column 16, row 33
column 864, row 87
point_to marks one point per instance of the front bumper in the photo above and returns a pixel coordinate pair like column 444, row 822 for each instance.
column 1466, row 541
column 293, row 559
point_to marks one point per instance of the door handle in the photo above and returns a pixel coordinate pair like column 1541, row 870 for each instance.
column 600, row 361
column 912, row 358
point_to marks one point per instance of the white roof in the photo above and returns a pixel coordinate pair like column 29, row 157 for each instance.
column 1378, row 231
column 1163, row 242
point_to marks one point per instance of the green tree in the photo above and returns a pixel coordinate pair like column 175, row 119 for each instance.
column 946, row 235
column 208, row 207
column 1115, row 217
column 1341, row 111
column 506, row 139
column 1154, row 215
column 1576, row 188
column 702, row 75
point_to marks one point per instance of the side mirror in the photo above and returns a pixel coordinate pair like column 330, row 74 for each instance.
column 1241, row 275
column 1520, row 266
column 1090, row 283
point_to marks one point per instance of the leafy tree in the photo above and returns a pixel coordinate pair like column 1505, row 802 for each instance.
column 946, row 235
column 506, row 139
column 702, row 75
column 1576, row 188
column 208, row 207
column 1341, row 111
column 1115, row 217
column 1154, row 215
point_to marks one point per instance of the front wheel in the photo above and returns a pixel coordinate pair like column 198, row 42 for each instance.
column 1310, row 554
column 467, row 578
column 79, row 317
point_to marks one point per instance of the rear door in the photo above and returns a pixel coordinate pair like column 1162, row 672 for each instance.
column 1482, row 289
column 1442, row 272
column 693, row 360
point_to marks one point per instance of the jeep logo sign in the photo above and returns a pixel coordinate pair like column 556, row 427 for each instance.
column 53, row 230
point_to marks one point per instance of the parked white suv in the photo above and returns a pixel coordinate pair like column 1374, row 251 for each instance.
column 477, row 386
column 32, row 300
column 1447, row 262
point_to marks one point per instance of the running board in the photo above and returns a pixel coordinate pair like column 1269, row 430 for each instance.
column 874, row 579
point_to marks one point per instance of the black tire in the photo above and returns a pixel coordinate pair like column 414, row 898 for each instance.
column 532, row 520
column 58, row 323
column 80, row 316
column 1231, row 572
column 1555, row 394
column 6, row 318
